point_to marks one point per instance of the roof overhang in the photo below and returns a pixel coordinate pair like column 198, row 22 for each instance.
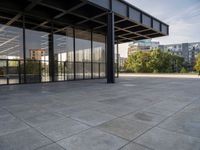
column 131, row 23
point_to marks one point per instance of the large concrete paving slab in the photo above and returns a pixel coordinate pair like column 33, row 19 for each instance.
column 27, row 139
column 160, row 139
column 184, row 122
column 124, row 128
column 10, row 124
column 118, row 111
column 136, row 113
column 146, row 117
column 61, row 128
column 93, row 139
column 40, row 118
column 4, row 112
column 92, row 118
column 134, row 146
column 53, row 146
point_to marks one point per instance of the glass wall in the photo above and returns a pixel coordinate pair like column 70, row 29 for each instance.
column 64, row 55
column 99, row 63
column 37, row 56
column 116, row 60
column 83, row 54
column 11, row 51
column 3, row 72
column 70, row 63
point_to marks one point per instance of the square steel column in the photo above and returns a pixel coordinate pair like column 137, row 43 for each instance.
column 110, row 57
column 51, row 56
column 24, row 50
column 74, row 52
column 117, row 59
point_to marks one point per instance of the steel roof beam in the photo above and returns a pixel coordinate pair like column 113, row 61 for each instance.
column 132, row 32
column 92, row 18
column 27, row 8
column 70, row 10
column 42, row 24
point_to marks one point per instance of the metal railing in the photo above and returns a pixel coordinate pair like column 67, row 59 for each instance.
column 37, row 71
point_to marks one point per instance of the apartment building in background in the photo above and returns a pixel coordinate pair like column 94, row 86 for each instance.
column 143, row 45
column 37, row 54
column 188, row 51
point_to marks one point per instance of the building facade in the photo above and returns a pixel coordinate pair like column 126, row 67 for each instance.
column 50, row 40
column 37, row 54
column 143, row 45
column 188, row 51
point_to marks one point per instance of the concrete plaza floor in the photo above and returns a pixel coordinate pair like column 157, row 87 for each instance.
column 133, row 114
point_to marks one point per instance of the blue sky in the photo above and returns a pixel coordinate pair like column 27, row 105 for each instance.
column 183, row 16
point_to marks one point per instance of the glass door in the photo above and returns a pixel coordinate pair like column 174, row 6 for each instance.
column 3, row 72
column 14, row 72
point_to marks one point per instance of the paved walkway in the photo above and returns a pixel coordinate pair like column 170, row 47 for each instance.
column 159, row 75
column 133, row 114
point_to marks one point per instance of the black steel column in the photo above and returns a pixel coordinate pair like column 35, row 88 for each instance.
column 74, row 51
column 51, row 56
column 7, row 72
column 117, row 59
column 92, row 74
column 24, row 49
column 110, row 49
column 19, row 71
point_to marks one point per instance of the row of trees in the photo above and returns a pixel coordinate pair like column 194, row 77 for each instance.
column 197, row 65
column 154, row 61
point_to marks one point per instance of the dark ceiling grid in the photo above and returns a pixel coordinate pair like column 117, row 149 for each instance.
column 82, row 14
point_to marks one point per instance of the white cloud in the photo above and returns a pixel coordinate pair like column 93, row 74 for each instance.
column 183, row 16
column 184, row 27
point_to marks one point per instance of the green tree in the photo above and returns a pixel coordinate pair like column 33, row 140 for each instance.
column 138, row 62
column 160, row 61
column 183, row 70
column 155, row 61
column 178, row 63
column 197, row 65
column 32, row 67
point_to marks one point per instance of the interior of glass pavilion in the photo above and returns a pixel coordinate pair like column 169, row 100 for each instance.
column 49, row 40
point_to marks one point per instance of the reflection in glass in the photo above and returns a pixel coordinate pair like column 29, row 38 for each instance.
column 98, row 56
column 83, row 54
column 11, row 43
column 37, row 56
column 64, row 55
column 3, row 72
column 11, row 51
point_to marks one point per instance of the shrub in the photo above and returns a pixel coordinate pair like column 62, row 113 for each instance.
column 183, row 70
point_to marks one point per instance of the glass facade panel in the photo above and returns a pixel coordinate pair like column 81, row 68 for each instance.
column 45, row 71
column 37, row 56
column 11, row 43
column 35, row 65
column 14, row 72
column 11, row 71
column 33, row 71
column 69, row 66
column 11, row 52
column 3, row 72
column 102, row 70
column 64, row 55
column 83, row 54
column 99, row 69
